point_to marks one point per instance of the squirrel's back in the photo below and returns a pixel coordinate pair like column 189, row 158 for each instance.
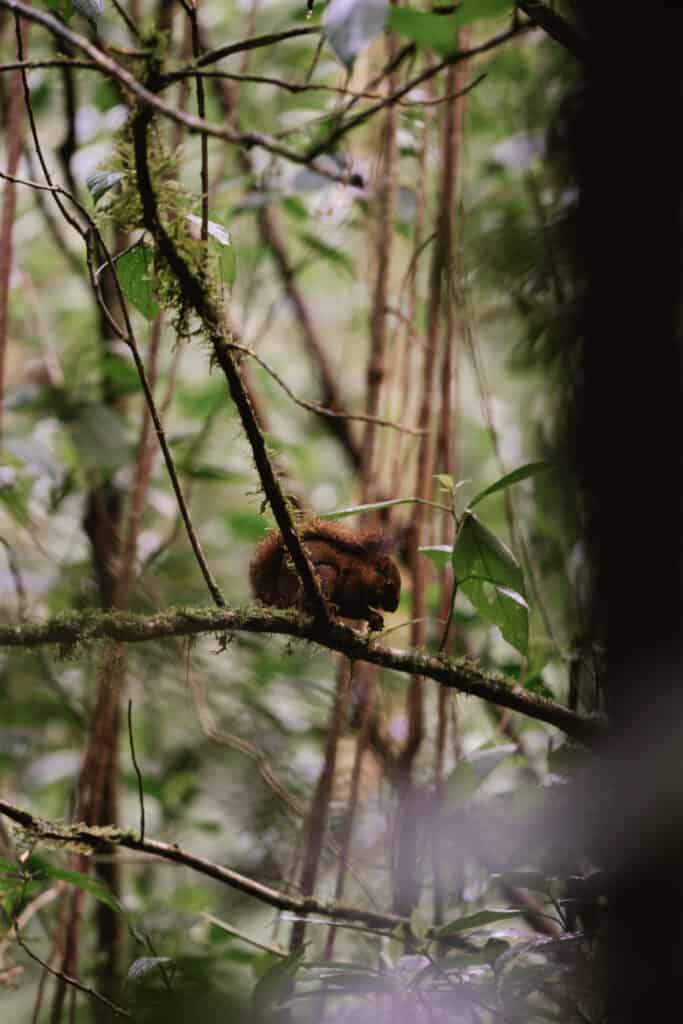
column 266, row 563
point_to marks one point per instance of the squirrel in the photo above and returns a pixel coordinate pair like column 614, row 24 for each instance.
column 356, row 575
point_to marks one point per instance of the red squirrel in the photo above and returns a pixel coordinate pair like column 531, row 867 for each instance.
column 356, row 575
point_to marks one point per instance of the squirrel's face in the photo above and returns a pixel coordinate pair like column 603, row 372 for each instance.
column 388, row 584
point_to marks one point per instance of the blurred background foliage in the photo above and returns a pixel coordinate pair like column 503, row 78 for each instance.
column 207, row 717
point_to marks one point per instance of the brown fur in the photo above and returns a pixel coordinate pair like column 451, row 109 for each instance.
column 356, row 574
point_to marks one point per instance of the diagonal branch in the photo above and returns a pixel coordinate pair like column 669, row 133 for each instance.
column 94, row 839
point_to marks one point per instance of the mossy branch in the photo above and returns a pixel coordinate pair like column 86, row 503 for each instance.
column 72, row 630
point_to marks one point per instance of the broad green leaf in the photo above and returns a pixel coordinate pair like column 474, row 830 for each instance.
column 484, row 761
column 86, row 883
column 461, row 784
column 7, row 867
column 419, row 925
column 438, row 32
column 206, row 471
column 101, row 182
column 228, row 260
column 219, row 237
column 15, row 491
column 427, row 31
column 121, row 376
column 477, row 920
column 439, row 554
column 62, row 8
column 350, row 25
column 296, row 209
column 133, row 269
column 487, row 572
column 269, row 987
column 99, row 435
column 522, row 473
column 334, row 256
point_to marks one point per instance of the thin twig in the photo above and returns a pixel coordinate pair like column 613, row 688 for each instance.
column 138, row 773
column 320, row 410
column 68, row 980
column 149, row 99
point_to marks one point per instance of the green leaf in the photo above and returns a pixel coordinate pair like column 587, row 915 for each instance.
column 99, row 435
column 446, row 481
column 438, row 32
column 206, row 471
column 350, row 25
column 534, row 684
column 477, row 920
column 484, row 761
column 296, row 209
column 99, row 183
column 329, row 253
column 136, row 283
column 461, row 784
column 122, row 377
column 487, row 572
column 62, row 8
column 15, row 491
column 86, row 883
column 439, row 554
column 219, row 238
column 269, row 987
column 522, row 473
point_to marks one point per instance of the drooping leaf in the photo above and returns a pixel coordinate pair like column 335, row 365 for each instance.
column 121, row 376
column 133, row 269
column 461, row 784
column 485, row 761
column 269, row 987
column 439, row 32
column 488, row 573
column 92, row 886
column 99, row 435
column 350, row 25
column 219, row 238
column 99, row 183
column 62, row 8
column 439, row 554
column 328, row 252
column 477, row 920
column 522, row 473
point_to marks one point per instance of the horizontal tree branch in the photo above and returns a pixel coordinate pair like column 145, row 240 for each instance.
column 458, row 673
column 97, row 837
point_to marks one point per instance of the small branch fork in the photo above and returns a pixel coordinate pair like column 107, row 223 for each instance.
column 456, row 673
